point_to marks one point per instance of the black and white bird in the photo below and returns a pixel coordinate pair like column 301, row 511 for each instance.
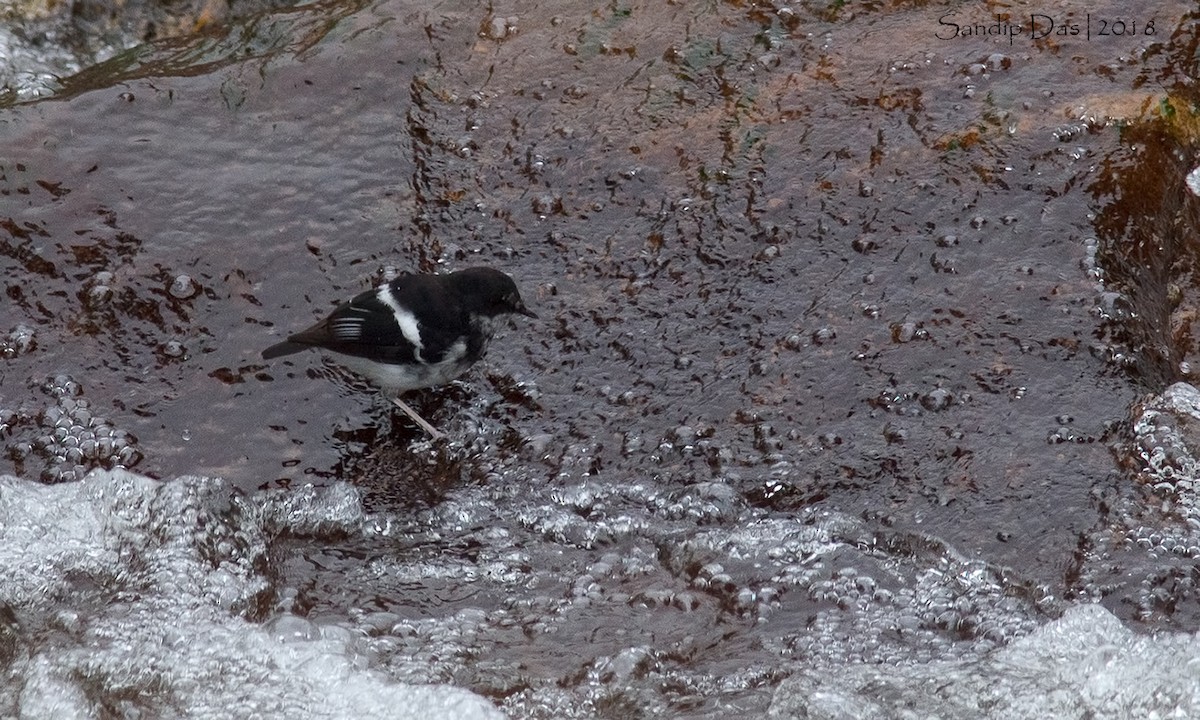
column 413, row 332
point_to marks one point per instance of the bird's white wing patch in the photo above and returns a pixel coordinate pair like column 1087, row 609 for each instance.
column 404, row 319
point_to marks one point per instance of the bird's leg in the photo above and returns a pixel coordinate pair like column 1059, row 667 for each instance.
column 434, row 434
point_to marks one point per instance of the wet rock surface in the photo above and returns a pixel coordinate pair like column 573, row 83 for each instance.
column 838, row 338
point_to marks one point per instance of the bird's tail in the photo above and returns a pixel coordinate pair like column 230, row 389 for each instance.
column 287, row 347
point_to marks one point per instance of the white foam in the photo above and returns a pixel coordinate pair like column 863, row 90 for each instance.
column 133, row 594
column 1084, row 665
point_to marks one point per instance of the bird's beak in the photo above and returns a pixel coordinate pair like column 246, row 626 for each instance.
column 526, row 311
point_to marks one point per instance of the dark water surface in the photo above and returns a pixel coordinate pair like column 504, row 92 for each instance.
column 817, row 266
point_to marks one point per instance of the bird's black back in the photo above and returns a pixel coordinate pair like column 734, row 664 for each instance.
column 415, row 319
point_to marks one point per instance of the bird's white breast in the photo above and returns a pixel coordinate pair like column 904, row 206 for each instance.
column 409, row 376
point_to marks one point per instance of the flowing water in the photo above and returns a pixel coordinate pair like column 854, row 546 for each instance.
column 861, row 365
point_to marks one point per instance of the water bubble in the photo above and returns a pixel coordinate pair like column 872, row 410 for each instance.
column 61, row 386
column 1193, row 181
column 999, row 61
column 904, row 332
column 632, row 444
column 765, row 438
column 685, row 434
column 19, row 341
column 98, row 294
column 768, row 60
column 173, row 349
column 864, row 244
column 937, row 399
column 127, row 456
column 499, row 28
column 1113, row 306
column 544, row 205
column 823, row 335
column 829, row 440
column 183, row 287
column 1067, row 133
